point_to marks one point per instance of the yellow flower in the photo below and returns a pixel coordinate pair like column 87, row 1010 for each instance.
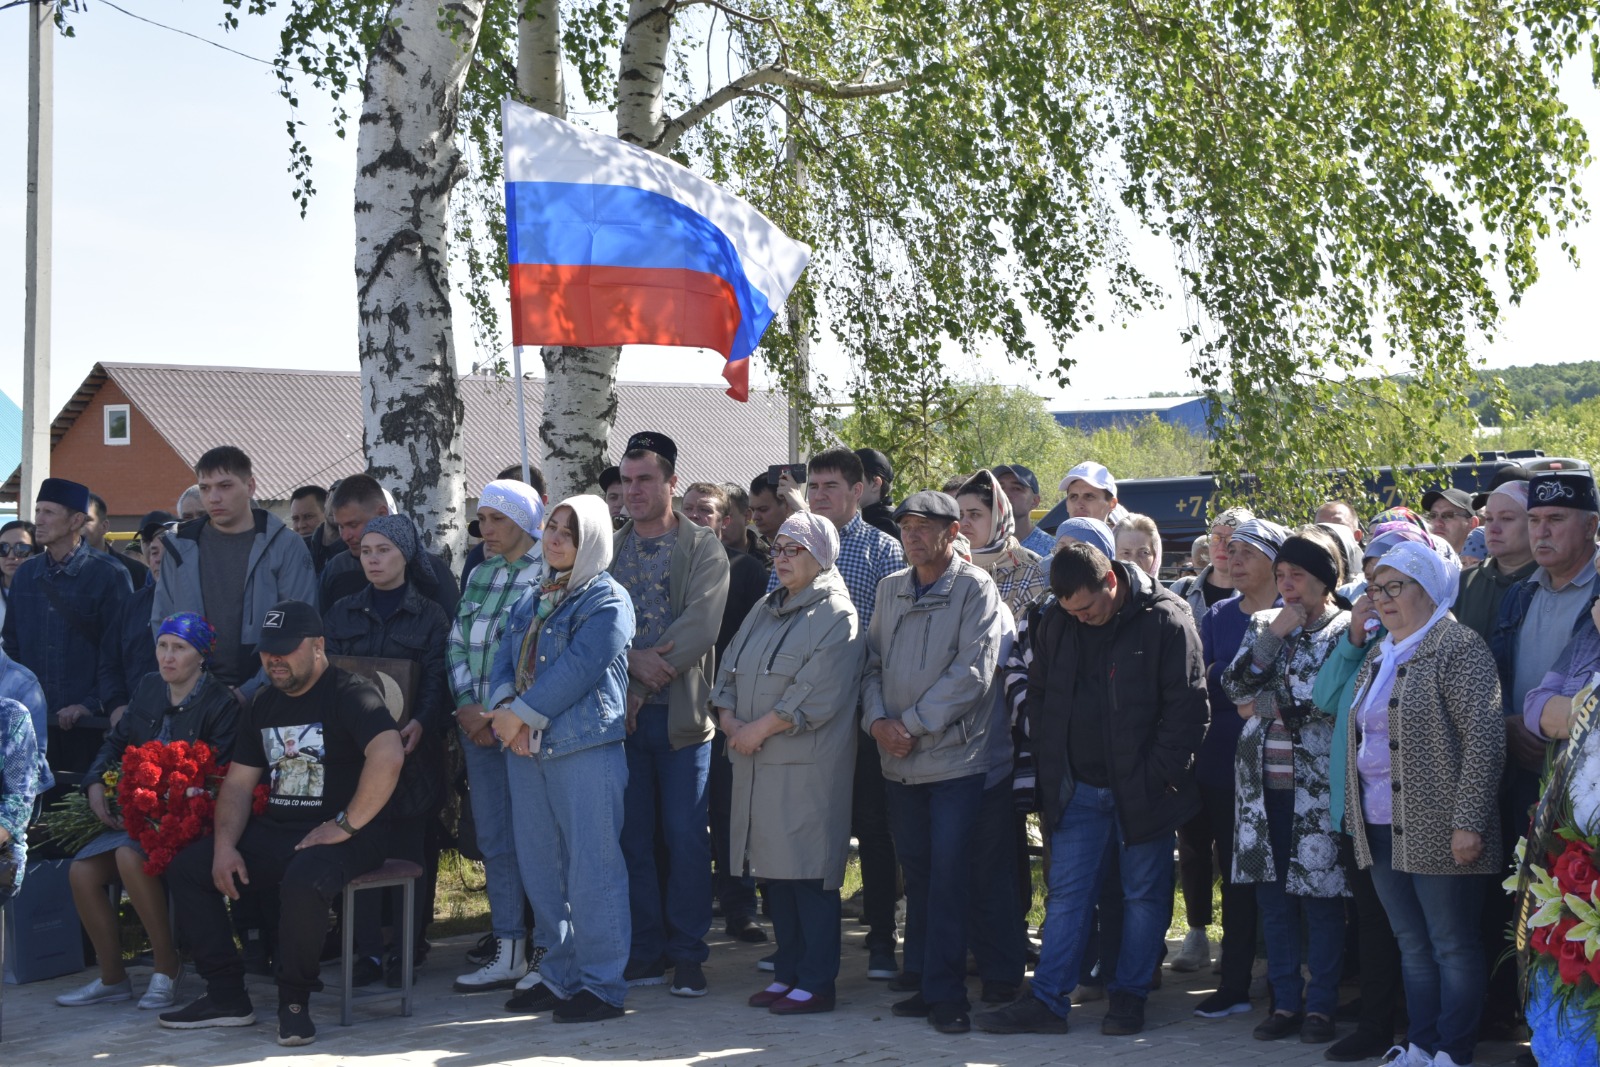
column 111, row 778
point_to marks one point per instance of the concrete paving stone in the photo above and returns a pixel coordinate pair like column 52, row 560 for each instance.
column 451, row 1029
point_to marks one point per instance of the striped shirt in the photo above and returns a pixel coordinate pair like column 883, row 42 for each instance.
column 493, row 588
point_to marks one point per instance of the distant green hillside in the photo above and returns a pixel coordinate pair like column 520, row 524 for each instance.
column 1542, row 387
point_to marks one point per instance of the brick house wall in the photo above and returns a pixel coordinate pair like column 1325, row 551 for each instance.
column 141, row 476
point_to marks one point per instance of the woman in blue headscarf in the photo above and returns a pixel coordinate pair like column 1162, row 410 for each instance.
column 180, row 701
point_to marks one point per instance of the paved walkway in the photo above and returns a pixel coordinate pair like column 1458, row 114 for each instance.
column 459, row 1030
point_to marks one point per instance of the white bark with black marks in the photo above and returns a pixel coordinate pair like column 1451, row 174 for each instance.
column 580, row 407
column 540, row 79
column 407, row 163
column 641, row 82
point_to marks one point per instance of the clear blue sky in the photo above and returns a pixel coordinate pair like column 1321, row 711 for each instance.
column 176, row 239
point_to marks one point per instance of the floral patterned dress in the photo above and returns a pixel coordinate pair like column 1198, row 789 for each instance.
column 1282, row 692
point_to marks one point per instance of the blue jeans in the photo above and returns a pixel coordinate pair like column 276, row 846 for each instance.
column 491, row 820
column 567, row 817
column 805, row 923
column 1077, row 868
column 670, row 785
column 933, row 827
column 998, row 921
column 1436, row 920
column 1281, row 913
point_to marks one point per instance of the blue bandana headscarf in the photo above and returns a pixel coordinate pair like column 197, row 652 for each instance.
column 193, row 628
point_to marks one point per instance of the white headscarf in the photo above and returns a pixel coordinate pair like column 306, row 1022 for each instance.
column 1439, row 578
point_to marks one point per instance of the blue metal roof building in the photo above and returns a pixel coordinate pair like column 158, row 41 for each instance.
column 1089, row 416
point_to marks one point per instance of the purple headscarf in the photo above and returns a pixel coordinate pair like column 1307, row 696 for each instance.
column 193, row 629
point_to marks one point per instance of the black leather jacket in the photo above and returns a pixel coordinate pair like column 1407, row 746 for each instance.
column 210, row 715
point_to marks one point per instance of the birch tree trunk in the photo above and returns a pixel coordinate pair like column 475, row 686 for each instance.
column 407, row 163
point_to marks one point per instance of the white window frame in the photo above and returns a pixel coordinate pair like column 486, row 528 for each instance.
column 126, row 410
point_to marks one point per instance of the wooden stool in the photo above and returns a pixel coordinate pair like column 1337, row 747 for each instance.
column 393, row 873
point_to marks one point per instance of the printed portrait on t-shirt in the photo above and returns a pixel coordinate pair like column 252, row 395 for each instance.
column 295, row 754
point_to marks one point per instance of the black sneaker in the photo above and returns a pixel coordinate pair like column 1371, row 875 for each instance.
column 950, row 1018
column 536, row 998
column 391, row 966
column 743, row 928
column 999, row 992
column 1361, row 1045
column 294, row 1024
column 1124, row 1016
column 205, row 1013
column 644, row 972
column 585, row 1007
column 1277, row 1026
column 906, row 982
column 881, row 966
column 913, row 1007
column 483, row 951
column 1222, row 1004
column 1030, row 1015
column 1317, row 1029
column 688, row 980
column 366, row 971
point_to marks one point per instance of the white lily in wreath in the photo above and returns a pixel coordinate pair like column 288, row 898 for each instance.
column 1547, row 896
column 1588, row 928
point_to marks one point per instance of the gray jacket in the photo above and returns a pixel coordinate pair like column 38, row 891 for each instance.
column 697, row 589
column 279, row 569
column 800, row 659
column 931, row 664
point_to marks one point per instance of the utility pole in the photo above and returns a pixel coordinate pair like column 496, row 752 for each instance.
column 797, row 318
column 36, row 417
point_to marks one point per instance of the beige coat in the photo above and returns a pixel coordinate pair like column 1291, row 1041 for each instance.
column 1447, row 746
column 802, row 660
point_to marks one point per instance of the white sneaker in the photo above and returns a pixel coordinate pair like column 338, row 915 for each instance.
column 1195, row 954
column 1410, row 1056
column 1444, row 1059
column 162, row 993
column 504, row 970
column 97, row 992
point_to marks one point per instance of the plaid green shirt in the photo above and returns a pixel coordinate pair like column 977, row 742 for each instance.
column 493, row 588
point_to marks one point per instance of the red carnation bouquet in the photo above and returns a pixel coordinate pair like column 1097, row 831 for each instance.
column 168, row 796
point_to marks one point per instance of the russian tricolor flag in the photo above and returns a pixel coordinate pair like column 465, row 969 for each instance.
column 610, row 244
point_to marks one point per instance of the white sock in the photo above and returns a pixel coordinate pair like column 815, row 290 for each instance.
column 777, row 987
column 800, row 995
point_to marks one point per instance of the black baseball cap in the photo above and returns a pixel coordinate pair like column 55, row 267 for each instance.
column 1513, row 472
column 1458, row 498
column 1020, row 473
column 153, row 521
column 286, row 624
column 875, row 464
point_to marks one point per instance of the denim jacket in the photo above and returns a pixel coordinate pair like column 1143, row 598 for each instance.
column 71, row 667
column 579, row 692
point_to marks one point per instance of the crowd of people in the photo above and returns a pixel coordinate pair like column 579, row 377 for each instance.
column 669, row 701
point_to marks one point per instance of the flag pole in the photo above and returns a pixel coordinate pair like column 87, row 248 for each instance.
column 522, row 410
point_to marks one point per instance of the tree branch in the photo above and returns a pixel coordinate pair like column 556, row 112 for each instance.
column 748, row 82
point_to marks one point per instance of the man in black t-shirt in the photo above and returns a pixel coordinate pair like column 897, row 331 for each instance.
column 328, row 751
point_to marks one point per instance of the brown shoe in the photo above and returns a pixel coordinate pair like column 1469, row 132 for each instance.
column 815, row 1005
column 767, row 998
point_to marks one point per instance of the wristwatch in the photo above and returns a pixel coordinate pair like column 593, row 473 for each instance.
column 342, row 821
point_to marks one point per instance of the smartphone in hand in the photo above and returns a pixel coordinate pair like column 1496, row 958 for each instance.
column 797, row 472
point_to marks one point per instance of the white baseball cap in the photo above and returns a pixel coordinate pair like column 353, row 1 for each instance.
column 1093, row 473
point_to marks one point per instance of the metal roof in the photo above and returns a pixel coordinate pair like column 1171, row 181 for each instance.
column 304, row 427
